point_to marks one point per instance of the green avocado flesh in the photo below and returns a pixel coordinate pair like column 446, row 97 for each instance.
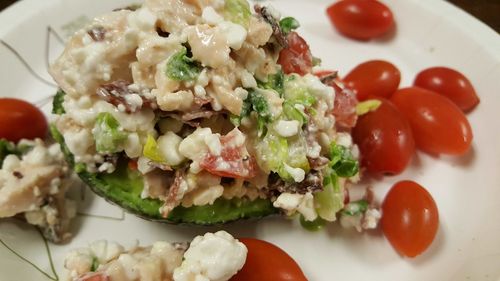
column 123, row 187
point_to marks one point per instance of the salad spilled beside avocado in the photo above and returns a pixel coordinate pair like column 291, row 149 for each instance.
column 206, row 112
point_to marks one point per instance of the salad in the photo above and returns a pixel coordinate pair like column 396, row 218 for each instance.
column 34, row 180
column 213, row 256
column 205, row 117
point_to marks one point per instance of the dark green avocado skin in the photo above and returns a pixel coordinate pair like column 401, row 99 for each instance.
column 124, row 186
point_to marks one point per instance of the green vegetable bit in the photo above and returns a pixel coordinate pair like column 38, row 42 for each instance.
column 288, row 24
column 293, row 113
column 342, row 161
column 355, row 208
column 274, row 82
column 237, row 11
column 152, row 151
column 331, row 199
column 6, row 148
column 57, row 103
column 367, row 106
column 108, row 135
column 95, row 264
column 255, row 102
column 180, row 67
column 314, row 225
column 275, row 151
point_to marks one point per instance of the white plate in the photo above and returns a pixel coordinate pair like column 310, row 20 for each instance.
column 466, row 189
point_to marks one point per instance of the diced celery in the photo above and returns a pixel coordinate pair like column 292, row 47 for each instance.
column 367, row 106
column 108, row 134
column 275, row 151
column 152, row 151
column 331, row 199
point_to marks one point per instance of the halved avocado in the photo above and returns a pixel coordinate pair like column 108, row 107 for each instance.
column 124, row 186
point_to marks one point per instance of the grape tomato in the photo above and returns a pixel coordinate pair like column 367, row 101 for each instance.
column 361, row 19
column 267, row 262
column 449, row 83
column 373, row 78
column 438, row 125
column 21, row 120
column 384, row 139
column 410, row 218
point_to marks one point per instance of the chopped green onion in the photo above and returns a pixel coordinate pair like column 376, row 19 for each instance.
column 288, row 24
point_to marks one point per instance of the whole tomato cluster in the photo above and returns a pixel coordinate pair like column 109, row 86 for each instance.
column 428, row 116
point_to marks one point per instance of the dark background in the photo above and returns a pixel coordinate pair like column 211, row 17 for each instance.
column 487, row 11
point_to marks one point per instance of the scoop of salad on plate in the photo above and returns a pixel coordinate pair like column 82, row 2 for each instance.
column 206, row 112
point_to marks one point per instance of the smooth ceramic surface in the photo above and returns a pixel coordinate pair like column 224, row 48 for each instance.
column 466, row 189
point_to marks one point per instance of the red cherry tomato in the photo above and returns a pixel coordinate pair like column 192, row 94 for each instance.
column 297, row 58
column 21, row 120
column 361, row 19
column 409, row 218
column 266, row 262
column 438, row 125
column 449, row 83
column 384, row 139
column 344, row 108
column 373, row 78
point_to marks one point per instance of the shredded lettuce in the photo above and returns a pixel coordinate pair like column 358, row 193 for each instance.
column 342, row 161
column 330, row 200
column 274, row 151
column 152, row 151
column 288, row 24
column 237, row 11
column 293, row 113
column 180, row 67
column 274, row 82
column 296, row 92
column 108, row 134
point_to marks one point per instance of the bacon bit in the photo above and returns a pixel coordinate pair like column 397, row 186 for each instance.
column 94, row 277
column 181, row 246
column 268, row 17
column 202, row 101
column 174, row 196
column 162, row 33
column 115, row 93
column 132, row 8
column 327, row 77
column 160, row 166
column 312, row 183
column 97, row 33
column 189, row 116
column 318, row 163
column 369, row 195
column 132, row 165
column 347, row 197
column 17, row 174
